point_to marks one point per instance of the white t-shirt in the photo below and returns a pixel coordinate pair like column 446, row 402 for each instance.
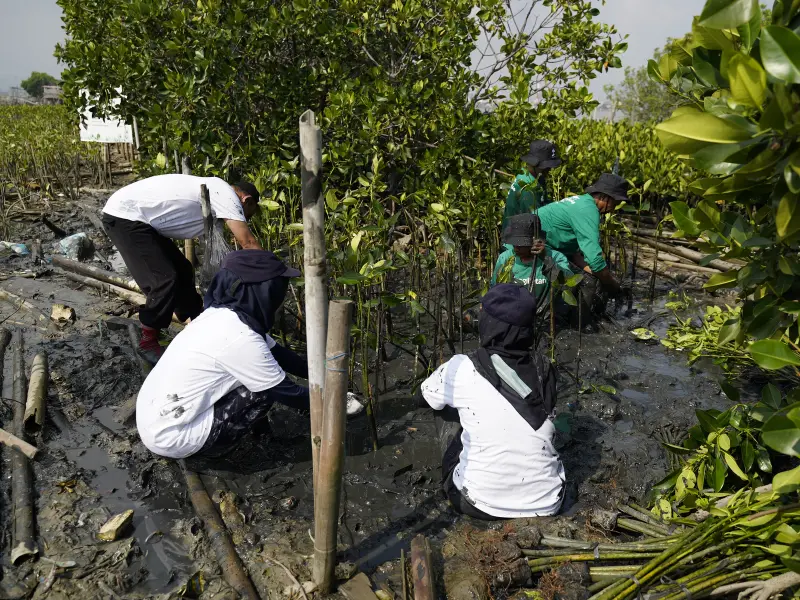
column 215, row 354
column 171, row 204
column 506, row 469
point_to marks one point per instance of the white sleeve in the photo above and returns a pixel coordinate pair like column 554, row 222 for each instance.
column 270, row 342
column 439, row 389
column 225, row 204
column 252, row 364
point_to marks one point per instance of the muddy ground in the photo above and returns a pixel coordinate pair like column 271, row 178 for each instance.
column 93, row 465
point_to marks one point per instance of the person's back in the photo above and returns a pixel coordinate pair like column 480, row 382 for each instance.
column 506, row 468
column 569, row 220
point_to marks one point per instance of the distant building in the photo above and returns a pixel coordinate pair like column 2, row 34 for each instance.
column 51, row 94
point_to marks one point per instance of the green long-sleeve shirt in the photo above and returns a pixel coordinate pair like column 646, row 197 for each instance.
column 574, row 224
column 520, row 272
column 526, row 193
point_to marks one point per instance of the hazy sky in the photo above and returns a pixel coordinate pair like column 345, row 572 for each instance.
column 30, row 29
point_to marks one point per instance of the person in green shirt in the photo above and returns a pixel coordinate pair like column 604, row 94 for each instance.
column 529, row 190
column 573, row 227
column 516, row 265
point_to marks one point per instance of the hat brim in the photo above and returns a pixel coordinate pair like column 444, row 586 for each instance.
column 618, row 197
column 542, row 164
column 519, row 240
column 291, row 273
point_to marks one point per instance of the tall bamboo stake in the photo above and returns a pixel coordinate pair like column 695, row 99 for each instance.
column 315, row 272
column 328, row 486
column 23, row 544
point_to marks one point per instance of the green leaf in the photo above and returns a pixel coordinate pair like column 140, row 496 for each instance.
column 787, row 217
column 707, row 421
column 748, row 80
column 734, row 466
column 718, row 476
column 690, row 132
column 786, row 482
column 727, row 14
column 644, row 334
column 771, row 396
column 351, row 278
column 782, row 432
column 677, row 449
column 773, row 355
column 729, row 331
column 681, row 214
column 780, row 53
column 763, row 459
column 748, row 455
column 731, row 392
column 569, row 298
column 728, row 279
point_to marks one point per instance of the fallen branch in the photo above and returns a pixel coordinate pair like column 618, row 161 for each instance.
column 24, row 304
column 132, row 297
column 693, row 255
column 95, row 273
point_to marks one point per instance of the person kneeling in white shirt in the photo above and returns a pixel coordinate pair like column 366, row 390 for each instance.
column 219, row 377
column 495, row 415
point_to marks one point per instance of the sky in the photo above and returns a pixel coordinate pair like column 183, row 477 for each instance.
column 30, row 29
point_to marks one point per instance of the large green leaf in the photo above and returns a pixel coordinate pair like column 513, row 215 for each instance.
column 773, row 355
column 780, row 53
column 748, row 80
column 728, row 279
column 787, row 217
column 682, row 216
column 786, row 482
column 727, row 14
column 687, row 133
column 782, row 432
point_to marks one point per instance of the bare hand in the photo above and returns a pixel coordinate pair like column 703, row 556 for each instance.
column 538, row 248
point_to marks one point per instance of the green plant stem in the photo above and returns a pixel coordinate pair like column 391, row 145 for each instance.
column 643, row 515
column 639, row 527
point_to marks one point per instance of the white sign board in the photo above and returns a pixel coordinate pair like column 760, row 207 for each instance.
column 106, row 131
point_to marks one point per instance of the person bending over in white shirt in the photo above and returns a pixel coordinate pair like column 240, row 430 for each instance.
column 219, row 377
column 144, row 217
column 495, row 416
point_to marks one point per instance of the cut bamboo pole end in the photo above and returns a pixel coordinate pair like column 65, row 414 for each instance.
column 12, row 441
column 37, row 394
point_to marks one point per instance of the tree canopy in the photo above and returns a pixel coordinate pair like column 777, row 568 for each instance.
column 35, row 83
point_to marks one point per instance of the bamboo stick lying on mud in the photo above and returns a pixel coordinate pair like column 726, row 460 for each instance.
column 648, row 251
column 132, row 297
column 232, row 568
column 37, row 394
column 24, row 304
column 693, row 255
column 23, row 544
column 12, row 441
column 95, row 273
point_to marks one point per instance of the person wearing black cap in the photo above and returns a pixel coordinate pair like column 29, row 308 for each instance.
column 143, row 218
column 219, row 377
column 529, row 190
column 573, row 226
column 495, row 411
column 526, row 236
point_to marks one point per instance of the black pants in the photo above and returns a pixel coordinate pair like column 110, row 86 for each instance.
column 449, row 429
column 161, row 270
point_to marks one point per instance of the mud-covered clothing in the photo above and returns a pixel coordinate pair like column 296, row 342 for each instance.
column 159, row 268
column 572, row 225
column 171, row 204
column 215, row 354
column 506, row 468
column 512, row 269
column 526, row 193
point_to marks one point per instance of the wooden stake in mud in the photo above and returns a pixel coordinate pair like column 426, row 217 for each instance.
column 315, row 273
column 23, row 543
column 421, row 569
column 232, row 568
column 37, row 394
column 327, row 490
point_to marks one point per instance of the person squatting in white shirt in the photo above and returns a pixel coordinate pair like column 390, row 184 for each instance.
column 495, row 411
column 217, row 380
column 143, row 218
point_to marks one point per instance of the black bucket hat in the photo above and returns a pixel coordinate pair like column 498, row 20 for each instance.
column 510, row 303
column 521, row 230
column 610, row 185
column 543, row 154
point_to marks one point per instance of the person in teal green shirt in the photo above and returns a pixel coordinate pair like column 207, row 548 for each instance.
column 573, row 226
column 529, row 190
column 516, row 265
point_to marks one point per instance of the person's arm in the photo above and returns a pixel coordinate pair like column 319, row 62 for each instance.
column 243, row 235
column 610, row 284
column 290, row 361
column 290, row 394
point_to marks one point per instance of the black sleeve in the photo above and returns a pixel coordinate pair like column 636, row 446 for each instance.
column 290, row 362
column 287, row 392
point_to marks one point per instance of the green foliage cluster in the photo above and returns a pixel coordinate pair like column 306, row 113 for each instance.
column 34, row 84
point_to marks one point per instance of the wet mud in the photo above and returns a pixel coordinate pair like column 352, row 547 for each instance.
column 93, row 465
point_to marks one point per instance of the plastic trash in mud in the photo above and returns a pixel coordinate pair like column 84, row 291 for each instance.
column 76, row 247
column 215, row 249
column 19, row 249
column 645, row 335
column 354, row 406
column 62, row 314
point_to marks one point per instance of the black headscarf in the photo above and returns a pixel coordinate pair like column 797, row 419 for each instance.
column 253, row 284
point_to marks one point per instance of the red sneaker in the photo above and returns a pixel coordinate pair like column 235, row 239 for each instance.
column 149, row 348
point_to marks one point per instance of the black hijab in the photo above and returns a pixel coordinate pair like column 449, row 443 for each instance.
column 253, row 284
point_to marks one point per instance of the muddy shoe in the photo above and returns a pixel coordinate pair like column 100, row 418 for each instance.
column 149, row 348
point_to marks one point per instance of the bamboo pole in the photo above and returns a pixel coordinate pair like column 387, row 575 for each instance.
column 132, row 297
column 23, row 304
column 692, row 255
column 327, row 492
column 315, row 273
column 37, row 394
column 12, row 441
column 422, row 569
column 23, row 544
column 231, row 565
column 95, row 273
